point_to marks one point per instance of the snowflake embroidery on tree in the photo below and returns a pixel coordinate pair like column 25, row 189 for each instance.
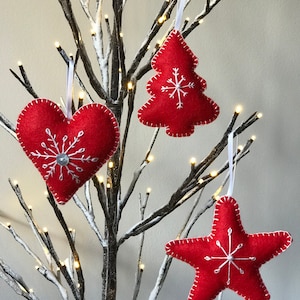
column 177, row 87
column 229, row 258
column 63, row 156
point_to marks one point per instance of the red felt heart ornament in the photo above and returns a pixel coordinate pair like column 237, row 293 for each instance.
column 66, row 152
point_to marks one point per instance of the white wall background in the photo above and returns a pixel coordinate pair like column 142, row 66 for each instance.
column 249, row 54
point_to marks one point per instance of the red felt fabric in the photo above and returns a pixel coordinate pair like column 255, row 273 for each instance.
column 84, row 143
column 177, row 101
column 229, row 257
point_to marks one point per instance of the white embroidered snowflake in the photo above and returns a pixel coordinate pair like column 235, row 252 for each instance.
column 229, row 257
column 59, row 156
column 178, row 87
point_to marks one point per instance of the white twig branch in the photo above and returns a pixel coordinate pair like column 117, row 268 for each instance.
column 51, row 277
column 98, row 41
column 139, row 170
column 41, row 268
column 8, row 126
column 140, row 265
column 89, row 215
column 12, row 231
column 15, row 281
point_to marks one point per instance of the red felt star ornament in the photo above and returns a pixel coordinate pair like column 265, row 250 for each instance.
column 229, row 257
column 177, row 101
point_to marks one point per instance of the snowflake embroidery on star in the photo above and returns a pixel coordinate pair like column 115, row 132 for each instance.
column 229, row 256
column 177, row 87
column 64, row 155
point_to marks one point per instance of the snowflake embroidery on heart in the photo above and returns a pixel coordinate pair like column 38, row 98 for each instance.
column 63, row 156
column 177, row 88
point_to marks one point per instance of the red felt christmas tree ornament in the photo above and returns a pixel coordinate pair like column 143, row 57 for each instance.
column 67, row 152
column 177, row 100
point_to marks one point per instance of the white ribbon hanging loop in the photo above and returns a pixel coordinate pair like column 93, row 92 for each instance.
column 179, row 14
column 69, row 96
column 231, row 164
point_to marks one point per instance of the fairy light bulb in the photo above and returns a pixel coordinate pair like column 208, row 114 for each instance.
column 159, row 43
column 110, row 164
column 76, row 264
column 213, row 174
column 20, row 63
column 57, row 45
column 93, row 32
column 100, row 178
column 201, row 21
column 162, row 19
column 130, row 85
column 253, row 137
column 193, row 161
column 259, row 115
column 141, row 267
column 238, row 109
column 148, row 190
column 81, row 95
column 150, row 158
column 217, row 192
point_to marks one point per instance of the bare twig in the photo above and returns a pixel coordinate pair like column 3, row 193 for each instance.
column 8, row 126
column 140, row 265
column 210, row 4
column 186, row 30
column 191, row 184
column 165, row 11
column 66, row 59
column 59, row 215
column 163, row 271
column 19, row 240
column 67, row 9
column 15, row 281
column 51, row 277
column 90, row 217
column 24, row 80
column 131, row 96
column 138, row 172
column 45, row 240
